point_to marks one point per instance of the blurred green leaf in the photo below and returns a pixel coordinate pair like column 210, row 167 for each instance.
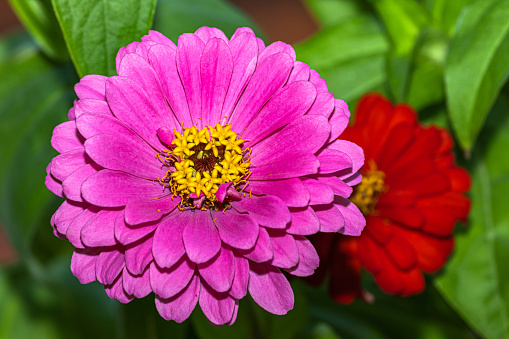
column 39, row 18
column 420, row 317
column 403, row 20
column 477, row 66
column 54, row 306
column 330, row 12
column 175, row 17
column 94, row 30
column 475, row 279
column 446, row 12
column 35, row 95
column 349, row 56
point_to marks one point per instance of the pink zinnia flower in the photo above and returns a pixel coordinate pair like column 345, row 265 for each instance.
column 198, row 171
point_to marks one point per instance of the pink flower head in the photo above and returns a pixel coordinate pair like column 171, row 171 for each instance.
column 197, row 172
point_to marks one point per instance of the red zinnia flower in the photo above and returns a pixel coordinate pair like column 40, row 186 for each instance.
column 411, row 193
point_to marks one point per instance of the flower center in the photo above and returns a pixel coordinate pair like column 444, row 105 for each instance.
column 200, row 160
column 366, row 194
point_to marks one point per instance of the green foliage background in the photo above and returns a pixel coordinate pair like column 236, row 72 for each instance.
column 447, row 58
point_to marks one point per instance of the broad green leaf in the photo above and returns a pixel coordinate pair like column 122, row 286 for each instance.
column 349, row 56
column 475, row 279
column 403, row 20
column 423, row 316
column 477, row 66
column 175, row 17
column 94, row 30
column 35, row 95
column 39, row 18
column 446, row 12
column 330, row 12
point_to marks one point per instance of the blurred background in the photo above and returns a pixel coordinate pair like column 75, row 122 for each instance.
column 449, row 59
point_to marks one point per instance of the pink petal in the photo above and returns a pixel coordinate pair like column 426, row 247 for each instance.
column 241, row 30
column 109, row 188
column 218, row 272
column 66, row 213
column 320, row 84
column 244, row 50
column 201, row 238
column 73, row 233
column 133, row 107
column 268, row 77
column 167, row 282
column 66, row 137
column 268, row 210
column 168, row 246
column 308, row 258
column 189, row 50
column 91, row 87
column 336, row 184
column 116, row 291
column 217, row 307
column 179, row 307
column 270, row 289
column 138, row 255
column 111, row 152
column 262, row 250
column 323, row 105
column 70, row 113
column 241, row 278
column 289, row 165
column 53, row 184
column 285, row 249
column 291, row 191
column 354, row 220
column 64, row 164
column 208, row 33
column 277, row 47
column 289, row 103
column 216, row 67
column 138, row 286
column 139, row 70
column 109, row 265
column 163, row 60
column 319, row 192
column 235, row 229
column 145, row 210
column 353, row 179
column 131, row 48
column 126, row 234
column 353, row 151
column 314, row 128
column 338, row 121
column 94, row 106
column 100, row 229
column 72, row 183
column 91, row 125
column 331, row 219
column 299, row 72
column 159, row 38
column 304, row 221
column 83, row 264
column 332, row 161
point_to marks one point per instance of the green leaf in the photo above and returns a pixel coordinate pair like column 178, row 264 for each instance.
column 403, row 21
column 475, row 279
column 349, row 56
column 477, row 66
column 424, row 316
column 446, row 12
column 35, row 95
column 330, row 12
column 39, row 18
column 175, row 17
column 94, row 30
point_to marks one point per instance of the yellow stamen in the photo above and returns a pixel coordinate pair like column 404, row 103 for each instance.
column 367, row 192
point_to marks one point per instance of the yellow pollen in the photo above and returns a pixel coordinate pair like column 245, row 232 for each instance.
column 367, row 192
column 203, row 159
